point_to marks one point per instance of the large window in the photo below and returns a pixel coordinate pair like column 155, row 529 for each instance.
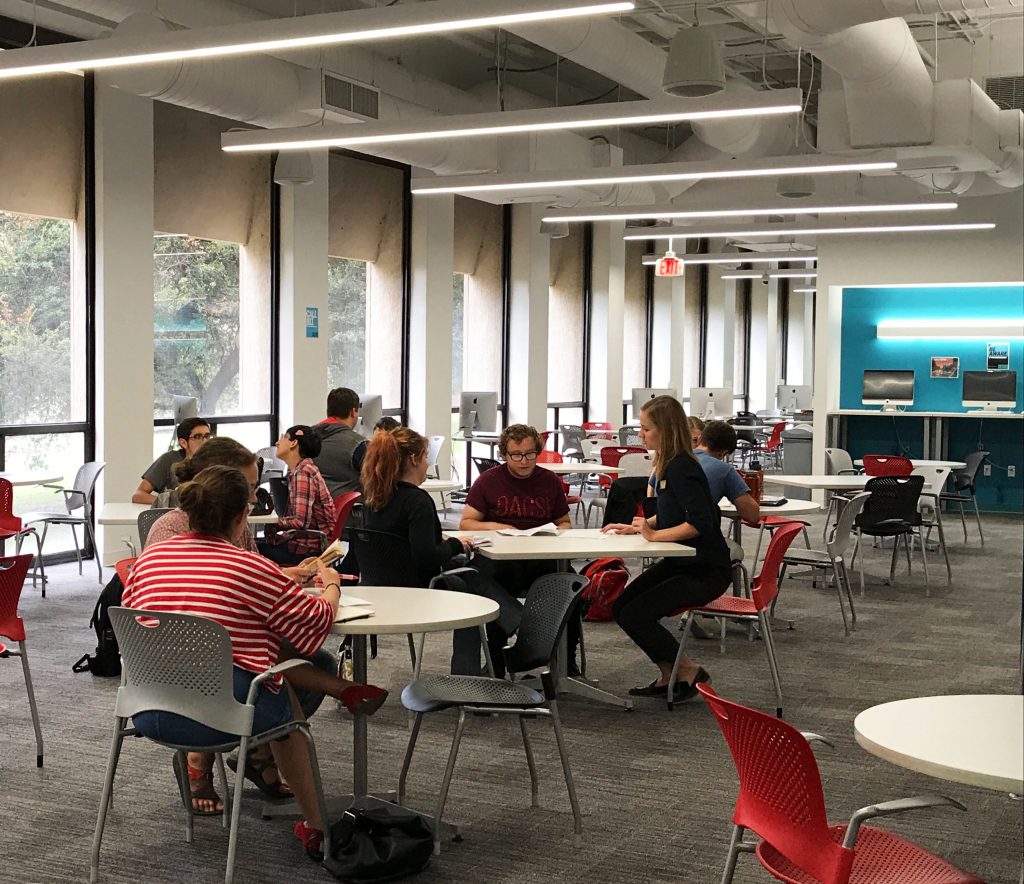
column 346, row 299
column 566, row 319
column 741, row 346
column 635, row 319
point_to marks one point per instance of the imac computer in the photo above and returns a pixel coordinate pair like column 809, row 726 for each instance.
column 792, row 398
column 888, row 388
column 990, row 390
column 643, row 395
column 371, row 410
column 184, row 408
column 478, row 412
column 711, row 402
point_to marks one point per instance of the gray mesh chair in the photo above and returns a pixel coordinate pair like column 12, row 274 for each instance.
column 77, row 498
column 629, row 436
column 963, row 489
column 551, row 602
column 147, row 519
column 838, row 463
column 832, row 558
column 182, row 663
column 273, row 466
column 574, row 441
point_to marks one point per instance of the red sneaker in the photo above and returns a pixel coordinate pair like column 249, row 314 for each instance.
column 310, row 838
column 363, row 699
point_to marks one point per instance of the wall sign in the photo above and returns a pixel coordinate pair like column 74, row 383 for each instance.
column 998, row 356
column 312, row 322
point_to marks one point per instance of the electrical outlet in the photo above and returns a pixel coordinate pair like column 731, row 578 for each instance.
column 988, row 469
column 1011, row 471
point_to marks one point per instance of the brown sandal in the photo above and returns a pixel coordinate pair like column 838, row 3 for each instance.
column 200, row 785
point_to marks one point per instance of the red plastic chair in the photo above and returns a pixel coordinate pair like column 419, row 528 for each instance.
column 781, row 801
column 600, row 425
column 886, row 465
column 123, row 568
column 772, row 444
column 544, row 436
column 12, row 581
column 764, row 591
column 546, row 456
column 343, row 505
column 12, row 528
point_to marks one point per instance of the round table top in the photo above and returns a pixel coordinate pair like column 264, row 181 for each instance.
column 402, row 609
column 789, row 508
column 438, row 486
column 974, row 739
column 29, row 479
column 566, row 467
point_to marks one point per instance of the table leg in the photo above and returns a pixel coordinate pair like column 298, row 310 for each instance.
column 359, row 742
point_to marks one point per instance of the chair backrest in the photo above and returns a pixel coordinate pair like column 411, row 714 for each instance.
column 599, row 425
column 574, row 439
column 775, row 439
column 8, row 520
column 123, row 568
column 887, row 465
column 780, row 794
column 766, row 585
column 146, row 520
column 612, row 455
column 384, row 559
column 547, row 456
column 85, row 482
column 278, row 486
column 343, row 505
column 544, row 436
column 837, row 459
column 434, row 446
column 177, row 663
column 842, row 536
column 636, row 464
column 630, row 436
column 747, row 417
column 892, row 497
column 12, row 580
column 273, row 466
column 550, row 602
column 483, row 464
column 964, row 477
column 934, row 478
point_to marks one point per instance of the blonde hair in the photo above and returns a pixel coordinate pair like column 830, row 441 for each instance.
column 669, row 419
column 387, row 455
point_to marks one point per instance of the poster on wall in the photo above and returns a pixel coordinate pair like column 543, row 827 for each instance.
column 998, row 356
column 945, row 366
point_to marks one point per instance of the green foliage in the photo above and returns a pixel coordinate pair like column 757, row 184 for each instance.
column 346, row 306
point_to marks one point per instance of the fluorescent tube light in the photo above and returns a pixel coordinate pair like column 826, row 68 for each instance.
column 778, row 274
column 651, row 173
column 612, row 214
column 787, row 230
column 548, row 119
column 298, row 32
column 951, row 328
column 805, row 291
column 739, row 258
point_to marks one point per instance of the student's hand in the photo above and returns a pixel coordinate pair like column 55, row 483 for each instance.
column 618, row 528
column 643, row 527
column 326, row 576
column 467, row 544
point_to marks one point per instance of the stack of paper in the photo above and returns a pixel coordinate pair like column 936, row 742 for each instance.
column 547, row 529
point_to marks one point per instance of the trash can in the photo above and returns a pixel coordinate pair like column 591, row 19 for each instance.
column 796, row 458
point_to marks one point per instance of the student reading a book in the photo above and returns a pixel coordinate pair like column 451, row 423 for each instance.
column 686, row 513
column 204, row 572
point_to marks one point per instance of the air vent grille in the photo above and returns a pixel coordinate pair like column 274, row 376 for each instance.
column 1007, row 92
column 350, row 98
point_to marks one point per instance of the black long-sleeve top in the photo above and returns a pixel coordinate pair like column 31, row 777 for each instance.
column 684, row 496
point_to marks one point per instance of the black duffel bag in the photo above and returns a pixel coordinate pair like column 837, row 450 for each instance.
column 378, row 844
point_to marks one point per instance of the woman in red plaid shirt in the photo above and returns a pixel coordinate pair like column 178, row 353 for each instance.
column 309, row 502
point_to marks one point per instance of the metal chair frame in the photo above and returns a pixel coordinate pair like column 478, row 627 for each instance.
column 963, row 480
column 13, row 571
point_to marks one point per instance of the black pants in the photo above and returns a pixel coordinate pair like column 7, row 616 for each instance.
column 661, row 589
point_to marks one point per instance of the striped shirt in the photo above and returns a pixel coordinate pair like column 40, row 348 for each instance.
column 247, row 594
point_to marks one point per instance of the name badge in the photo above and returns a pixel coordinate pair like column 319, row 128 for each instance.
column 661, row 485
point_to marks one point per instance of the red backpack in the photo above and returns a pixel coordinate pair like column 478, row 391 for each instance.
column 608, row 577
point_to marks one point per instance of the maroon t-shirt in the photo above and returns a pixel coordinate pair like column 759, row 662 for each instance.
column 521, row 503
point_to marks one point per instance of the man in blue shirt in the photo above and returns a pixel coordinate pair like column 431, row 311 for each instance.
column 717, row 442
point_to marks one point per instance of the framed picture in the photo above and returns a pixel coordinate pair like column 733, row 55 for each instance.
column 998, row 356
column 945, row 366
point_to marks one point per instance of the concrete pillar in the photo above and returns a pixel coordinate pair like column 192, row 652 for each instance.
column 764, row 344
column 528, row 321
column 430, row 317
column 124, row 298
column 608, row 292
column 827, row 335
column 303, row 261
column 669, row 342
column 720, row 354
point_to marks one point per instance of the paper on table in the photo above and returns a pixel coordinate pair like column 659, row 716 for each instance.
column 350, row 601
column 548, row 528
column 480, row 540
column 345, row 615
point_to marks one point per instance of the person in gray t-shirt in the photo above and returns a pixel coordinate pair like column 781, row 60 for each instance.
column 717, row 442
column 192, row 433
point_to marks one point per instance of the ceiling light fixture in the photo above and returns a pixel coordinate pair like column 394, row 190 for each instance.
column 615, row 214
column 805, row 291
column 651, row 174
column 739, row 258
column 548, row 119
column 299, row 32
column 951, row 328
column 779, row 274
column 788, row 230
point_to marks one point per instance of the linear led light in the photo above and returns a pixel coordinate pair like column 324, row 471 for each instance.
column 791, row 209
column 786, row 230
column 780, row 274
column 299, row 32
column 651, row 174
column 739, row 258
column 805, row 291
column 951, row 328
column 548, row 119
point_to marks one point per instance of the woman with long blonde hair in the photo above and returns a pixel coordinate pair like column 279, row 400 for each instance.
column 685, row 513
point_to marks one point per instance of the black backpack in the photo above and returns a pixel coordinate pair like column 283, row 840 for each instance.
column 371, row 844
column 107, row 660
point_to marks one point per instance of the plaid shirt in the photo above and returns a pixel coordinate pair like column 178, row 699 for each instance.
column 309, row 506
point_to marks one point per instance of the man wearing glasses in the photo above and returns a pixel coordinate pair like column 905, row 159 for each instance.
column 192, row 433
column 339, row 441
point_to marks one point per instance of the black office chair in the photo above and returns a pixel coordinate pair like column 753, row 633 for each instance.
column 891, row 511
column 964, row 491
column 483, row 464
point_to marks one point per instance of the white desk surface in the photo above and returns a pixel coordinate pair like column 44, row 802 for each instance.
column 789, row 508
column 567, row 467
column 29, row 479
column 918, row 462
column 974, row 739
column 484, row 438
column 572, row 543
column 824, row 483
column 440, row 486
column 999, row 415
column 128, row 514
column 403, row 609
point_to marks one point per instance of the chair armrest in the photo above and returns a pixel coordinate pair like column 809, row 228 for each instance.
column 816, row 738
column 848, row 473
column 887, row 808
column 438, row 581
column 270, row 673
column 293, row 533
column 71, row 492
column 55, row 487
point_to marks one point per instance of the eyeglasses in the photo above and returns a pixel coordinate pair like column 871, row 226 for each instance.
column 521, row 455
column 200, row 437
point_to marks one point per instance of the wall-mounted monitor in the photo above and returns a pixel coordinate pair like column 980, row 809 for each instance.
column 478, row 412
column 709, row 402
column 793, row 397
column 888, row 388
column 371, row 410
column 990, row 390
column 643, row 395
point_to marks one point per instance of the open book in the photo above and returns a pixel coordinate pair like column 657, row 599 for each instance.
column 352, row 608
column 333, row 552
column 547, row 529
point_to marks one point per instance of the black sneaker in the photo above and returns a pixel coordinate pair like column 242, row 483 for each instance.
column 652, row 690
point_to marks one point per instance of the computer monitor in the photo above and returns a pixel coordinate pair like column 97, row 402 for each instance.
column 478, row 412
column 990, row 390
column 184, row 408
column 371, row 410
column 710, row 402
column 887, row 388
column 643, row 395
column 792, row 397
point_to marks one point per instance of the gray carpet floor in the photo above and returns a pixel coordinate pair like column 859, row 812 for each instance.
column 656, row 788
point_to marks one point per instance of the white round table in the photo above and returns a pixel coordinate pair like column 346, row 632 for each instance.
column 29, row 479
column 440, row 486
column 975, row 739
column 568, row 467
column 789, row 508
column 402, row 610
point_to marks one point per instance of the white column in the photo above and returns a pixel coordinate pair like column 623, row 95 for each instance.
column 764, row 344
column 716, row 371
column 528, row 321
column 799, row 343
column 303, row 360
column 608, row 292
column 124, row 298
column 807, row 357
column 430, row 318
column 827, row 352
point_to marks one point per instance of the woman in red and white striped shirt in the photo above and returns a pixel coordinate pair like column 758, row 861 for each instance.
column 204, row 573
